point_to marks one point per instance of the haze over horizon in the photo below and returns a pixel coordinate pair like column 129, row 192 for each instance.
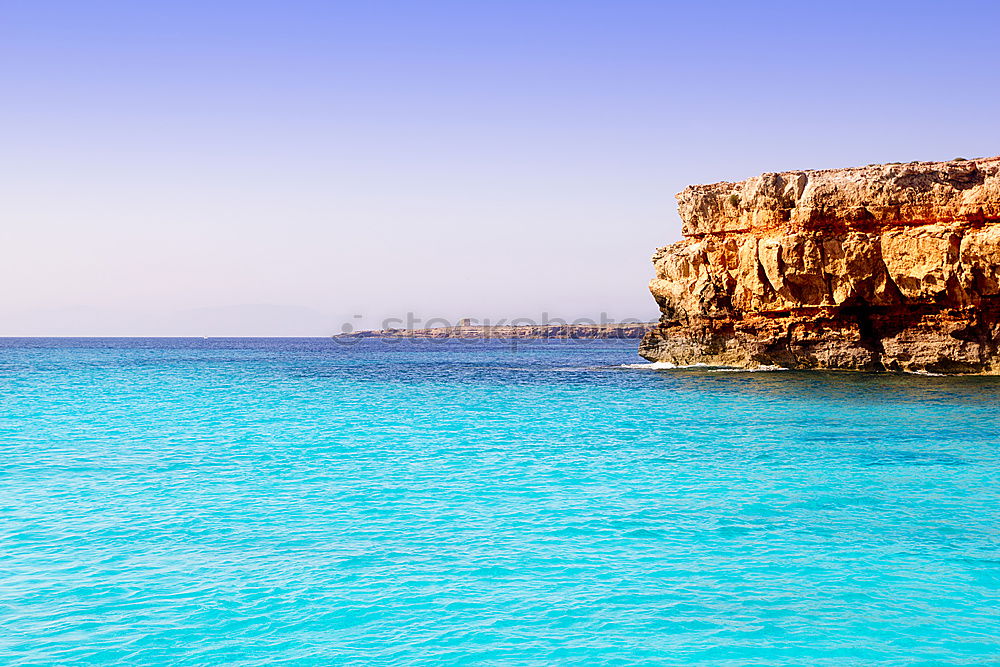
column 265, row 168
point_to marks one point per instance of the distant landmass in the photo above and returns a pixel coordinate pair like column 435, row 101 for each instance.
column 467, row 331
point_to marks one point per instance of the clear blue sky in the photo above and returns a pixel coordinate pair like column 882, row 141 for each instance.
column 262, row 168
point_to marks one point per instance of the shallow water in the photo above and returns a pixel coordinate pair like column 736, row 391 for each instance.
column 198, row 502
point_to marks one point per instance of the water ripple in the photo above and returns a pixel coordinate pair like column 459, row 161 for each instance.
column 297, row 501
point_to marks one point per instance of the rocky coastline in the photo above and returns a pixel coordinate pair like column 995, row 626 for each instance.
column 885, row 267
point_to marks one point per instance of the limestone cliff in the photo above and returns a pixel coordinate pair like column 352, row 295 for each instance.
column 893, row 266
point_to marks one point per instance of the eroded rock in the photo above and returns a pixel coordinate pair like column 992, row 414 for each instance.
column 882, row 267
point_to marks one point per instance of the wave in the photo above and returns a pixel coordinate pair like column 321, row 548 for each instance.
column 664, row 366
column 667, row 366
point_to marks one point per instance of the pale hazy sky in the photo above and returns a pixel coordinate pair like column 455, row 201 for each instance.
column 273, row 168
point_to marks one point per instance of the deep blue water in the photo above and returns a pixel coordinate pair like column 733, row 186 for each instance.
column 203, row 502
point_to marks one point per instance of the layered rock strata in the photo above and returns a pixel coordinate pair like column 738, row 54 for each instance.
column 885, row 267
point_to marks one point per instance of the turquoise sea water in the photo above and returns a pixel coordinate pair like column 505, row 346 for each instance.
column 203, row 502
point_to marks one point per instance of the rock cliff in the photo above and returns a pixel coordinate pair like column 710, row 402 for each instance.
column 893, row 266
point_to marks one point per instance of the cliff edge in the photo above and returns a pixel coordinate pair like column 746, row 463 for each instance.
column 885, row 267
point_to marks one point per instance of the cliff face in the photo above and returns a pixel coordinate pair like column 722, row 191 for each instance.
column 892, row 266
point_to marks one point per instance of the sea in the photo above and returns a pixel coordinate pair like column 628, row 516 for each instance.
column 374, row 502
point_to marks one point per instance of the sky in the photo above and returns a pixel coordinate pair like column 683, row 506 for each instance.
column 283, row 168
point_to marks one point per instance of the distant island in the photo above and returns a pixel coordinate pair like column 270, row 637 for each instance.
column 467, row 331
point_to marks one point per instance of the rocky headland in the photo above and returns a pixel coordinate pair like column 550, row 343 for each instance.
column 884, row 267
